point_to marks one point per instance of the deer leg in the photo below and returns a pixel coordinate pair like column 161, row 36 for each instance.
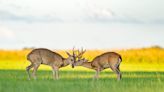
column 116, row 70
column 120, row 75
column 97, row 74
column 55, row 72
column 28, row 70
column 34, row 70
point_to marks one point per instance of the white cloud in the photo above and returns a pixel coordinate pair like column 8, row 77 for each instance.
column 6, row 33
column 123, row 11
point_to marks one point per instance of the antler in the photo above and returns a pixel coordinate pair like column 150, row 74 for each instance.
column 80, row 54
column 73, row 51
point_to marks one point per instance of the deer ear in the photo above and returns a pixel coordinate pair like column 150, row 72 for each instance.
column 68, row 53
column 85, row 60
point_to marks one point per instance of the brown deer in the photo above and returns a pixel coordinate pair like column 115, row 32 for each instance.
column 107, row 60
column 47, row 57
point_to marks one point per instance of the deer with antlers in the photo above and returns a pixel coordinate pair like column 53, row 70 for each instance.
column 106, row 60
column 47, row 57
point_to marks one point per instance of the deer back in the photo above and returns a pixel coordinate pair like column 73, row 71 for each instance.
column 107, row 59
column 44, row 56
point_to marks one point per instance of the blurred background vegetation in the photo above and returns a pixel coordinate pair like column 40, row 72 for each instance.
column 141, row 59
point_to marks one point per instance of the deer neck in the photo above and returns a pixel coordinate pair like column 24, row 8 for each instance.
column 65, row 62
column 87, row 65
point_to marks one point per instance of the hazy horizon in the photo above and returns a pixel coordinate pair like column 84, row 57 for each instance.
column 91, row 24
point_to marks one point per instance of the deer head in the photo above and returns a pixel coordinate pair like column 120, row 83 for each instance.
column 78, row 57
column 80, row 62
column 71, row 58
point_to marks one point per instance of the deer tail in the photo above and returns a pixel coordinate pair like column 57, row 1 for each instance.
column 120, row 59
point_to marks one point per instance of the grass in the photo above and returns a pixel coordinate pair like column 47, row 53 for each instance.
column 81, row 81
column 21, row 65
column 142, row 70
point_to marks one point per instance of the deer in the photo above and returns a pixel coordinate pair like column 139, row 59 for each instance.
column 47, row 57
column 106, row 60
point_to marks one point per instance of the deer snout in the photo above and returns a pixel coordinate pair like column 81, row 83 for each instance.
column 73, row 65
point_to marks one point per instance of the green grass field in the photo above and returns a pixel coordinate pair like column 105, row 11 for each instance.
column 81, row 81
column 142, row 71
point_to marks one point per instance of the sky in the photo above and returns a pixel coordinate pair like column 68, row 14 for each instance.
column 91, row 24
